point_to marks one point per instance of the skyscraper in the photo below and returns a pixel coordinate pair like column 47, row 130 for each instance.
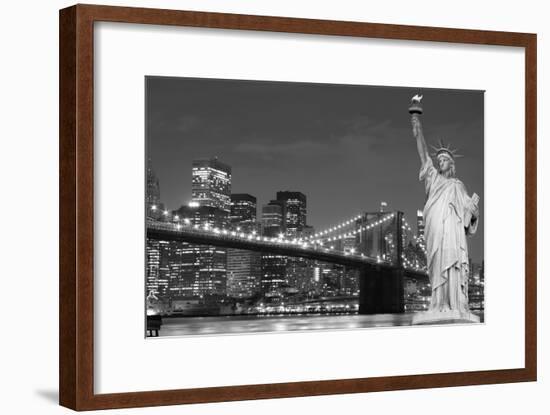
column 295, row 211
column 198, row 270
column 243, row 267
column 157, row 270
column 157, row 278
column 201, row 270
column 212, row 183
column 243, row 273
column 154, row 207
column 286, row 215
column 243, row 211
column 273, row 277
column 273, row 218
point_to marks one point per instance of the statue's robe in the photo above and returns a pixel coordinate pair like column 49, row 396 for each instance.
column 448, row 220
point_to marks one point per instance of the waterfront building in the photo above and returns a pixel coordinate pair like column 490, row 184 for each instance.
column 157, row 272
column 243, row 273
column 476, row 287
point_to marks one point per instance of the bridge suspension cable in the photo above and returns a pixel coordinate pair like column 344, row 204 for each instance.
column 359, row 229
column 335, row 228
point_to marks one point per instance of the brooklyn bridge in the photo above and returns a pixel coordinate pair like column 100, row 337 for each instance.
column 379, row 257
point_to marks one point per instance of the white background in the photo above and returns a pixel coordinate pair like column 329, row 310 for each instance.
column 29, row 206
column 291, row 357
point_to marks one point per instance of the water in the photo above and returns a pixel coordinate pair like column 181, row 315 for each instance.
column 183, row 326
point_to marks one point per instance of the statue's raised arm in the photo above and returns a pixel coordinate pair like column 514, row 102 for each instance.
column 416, row 110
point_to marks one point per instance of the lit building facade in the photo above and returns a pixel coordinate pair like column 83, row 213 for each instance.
column 158, row 276
column 199, row 270
column 273, row 219
column 212, row 184
column 243, row 211
column 273, row 274
column 201, row 215
column 295, row 211
column 243, row 273
column 300, row 274
column 243, row 267
column 476, row 287
column 298, row 271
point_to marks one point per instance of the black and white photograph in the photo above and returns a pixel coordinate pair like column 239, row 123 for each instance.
column 286, row 206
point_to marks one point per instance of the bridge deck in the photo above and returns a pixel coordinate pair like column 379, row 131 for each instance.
column 167, row 231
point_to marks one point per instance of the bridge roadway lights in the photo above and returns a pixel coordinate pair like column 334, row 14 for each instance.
column 380, row 285
column 381, row 290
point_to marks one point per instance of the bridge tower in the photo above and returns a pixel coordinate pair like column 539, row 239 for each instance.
column 381, row 289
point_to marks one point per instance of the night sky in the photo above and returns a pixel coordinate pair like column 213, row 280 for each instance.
column 347, row 147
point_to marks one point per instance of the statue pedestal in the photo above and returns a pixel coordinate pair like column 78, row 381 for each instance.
column 444, row 317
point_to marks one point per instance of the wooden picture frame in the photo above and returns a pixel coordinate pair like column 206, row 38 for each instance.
column 76, row 277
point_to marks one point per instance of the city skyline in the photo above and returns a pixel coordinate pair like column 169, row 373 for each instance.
column 176, row 125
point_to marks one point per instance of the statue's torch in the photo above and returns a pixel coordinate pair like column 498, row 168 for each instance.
column 416, row 108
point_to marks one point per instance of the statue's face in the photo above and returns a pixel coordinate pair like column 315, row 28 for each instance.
column 445, row 163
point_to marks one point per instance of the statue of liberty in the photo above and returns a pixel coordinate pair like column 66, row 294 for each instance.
column 450, row 216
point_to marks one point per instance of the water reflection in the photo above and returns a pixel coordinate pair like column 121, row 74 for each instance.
column 257, row 324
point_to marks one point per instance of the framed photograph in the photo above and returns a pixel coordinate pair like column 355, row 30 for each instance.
column 257, row 207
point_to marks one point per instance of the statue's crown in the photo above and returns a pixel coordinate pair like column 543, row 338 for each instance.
column 445, row 149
